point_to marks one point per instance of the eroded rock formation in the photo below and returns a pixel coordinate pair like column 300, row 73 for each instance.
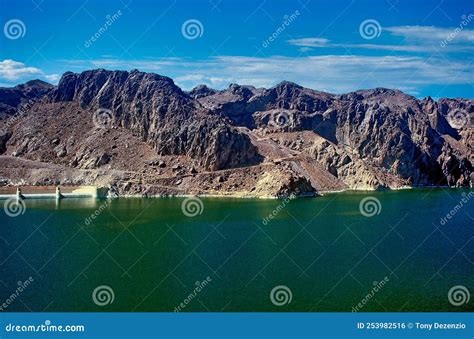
column 142, row 134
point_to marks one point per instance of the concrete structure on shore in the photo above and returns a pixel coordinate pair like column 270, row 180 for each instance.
column 49, row 192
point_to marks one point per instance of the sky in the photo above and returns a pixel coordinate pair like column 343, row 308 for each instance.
column 422, row 47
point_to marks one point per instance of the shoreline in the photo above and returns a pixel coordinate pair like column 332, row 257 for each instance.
column 79, row 193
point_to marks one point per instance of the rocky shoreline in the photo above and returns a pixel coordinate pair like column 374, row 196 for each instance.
column 138, row 134
column 46, row 192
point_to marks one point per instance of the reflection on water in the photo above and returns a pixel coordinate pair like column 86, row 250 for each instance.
column 63, row 204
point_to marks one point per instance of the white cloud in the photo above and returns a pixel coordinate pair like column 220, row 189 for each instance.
column 309, row 42
column 214, row 82
column 11, row 70
column 342, row 73
column 332, row 73
column 415, row 39
column 432, row 33
column 140, row 64
column 54, row 78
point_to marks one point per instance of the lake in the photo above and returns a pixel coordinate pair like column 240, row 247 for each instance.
column 350, row 251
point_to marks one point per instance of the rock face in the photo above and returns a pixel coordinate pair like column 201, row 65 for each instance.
column 381, row 131
column 139, row 133
column 4, row 137
column 201, row 91
column 21, row 97
column 155, row 109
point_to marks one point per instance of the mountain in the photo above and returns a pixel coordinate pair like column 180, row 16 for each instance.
column 12, row 99
column 386, row 133
column 153, row 108
column 139, row 133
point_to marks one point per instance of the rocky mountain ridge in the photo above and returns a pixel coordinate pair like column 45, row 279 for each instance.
column 13, row 99
column 139, row 133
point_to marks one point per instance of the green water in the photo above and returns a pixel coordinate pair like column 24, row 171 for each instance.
column 322, row 249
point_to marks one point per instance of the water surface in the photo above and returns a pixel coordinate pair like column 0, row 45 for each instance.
column 325, row 252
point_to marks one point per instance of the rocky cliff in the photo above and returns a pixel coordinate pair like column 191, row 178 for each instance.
column 153, row 108
column 379, row 132
column 21, row 97
column 141, row 134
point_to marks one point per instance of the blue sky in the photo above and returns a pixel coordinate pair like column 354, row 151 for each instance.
column 421, row 47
